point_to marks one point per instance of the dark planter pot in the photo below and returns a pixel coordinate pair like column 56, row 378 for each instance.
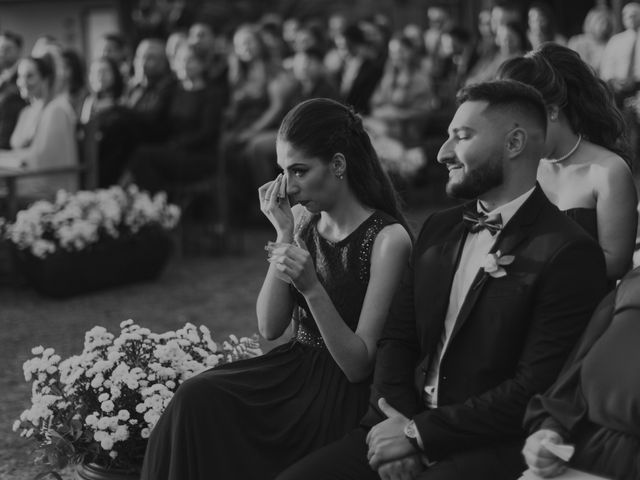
column 91, row 471
column 113, row 262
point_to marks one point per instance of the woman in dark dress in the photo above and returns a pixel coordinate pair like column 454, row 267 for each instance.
column 334, row 266
column 189, row 152
column 103, row 107
column 594, row 404
column 586, row 170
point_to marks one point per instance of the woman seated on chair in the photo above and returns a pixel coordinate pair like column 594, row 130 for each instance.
column 44, row 136
column 594, row 404
column 334, row 267
column 189, row 153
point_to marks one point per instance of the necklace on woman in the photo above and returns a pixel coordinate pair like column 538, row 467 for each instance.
column 567, row 155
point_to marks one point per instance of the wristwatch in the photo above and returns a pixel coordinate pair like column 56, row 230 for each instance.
column 411, row 432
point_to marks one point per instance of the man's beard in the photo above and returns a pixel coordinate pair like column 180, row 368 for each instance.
column 477, row 181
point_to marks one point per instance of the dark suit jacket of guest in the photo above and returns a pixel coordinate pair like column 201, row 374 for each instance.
column 364, row 85
column 510, row 338
column 149, row 108
column 10, row 105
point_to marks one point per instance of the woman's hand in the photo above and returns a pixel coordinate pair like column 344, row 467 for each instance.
column 540, row 460
column 274, row 204
column 294, row 264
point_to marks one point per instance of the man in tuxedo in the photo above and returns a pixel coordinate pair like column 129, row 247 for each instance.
column 495, row 295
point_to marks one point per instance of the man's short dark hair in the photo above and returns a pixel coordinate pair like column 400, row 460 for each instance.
column 14, row 37
column 507, row 93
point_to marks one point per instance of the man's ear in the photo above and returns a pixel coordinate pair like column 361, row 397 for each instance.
column 339, row 165
column 516, row 142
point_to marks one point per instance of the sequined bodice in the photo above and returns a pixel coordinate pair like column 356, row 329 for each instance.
column 343, row 271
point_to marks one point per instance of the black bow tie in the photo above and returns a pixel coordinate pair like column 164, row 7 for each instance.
column 477, row 222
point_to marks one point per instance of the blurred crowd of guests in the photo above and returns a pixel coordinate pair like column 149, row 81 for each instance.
column 186, row 99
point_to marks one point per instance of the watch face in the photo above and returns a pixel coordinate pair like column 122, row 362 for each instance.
column 410, row 430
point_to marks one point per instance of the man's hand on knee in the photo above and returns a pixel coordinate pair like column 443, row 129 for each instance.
column 387, row 440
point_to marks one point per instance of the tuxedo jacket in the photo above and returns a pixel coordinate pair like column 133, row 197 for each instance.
column 510, row 338
column 363, row 86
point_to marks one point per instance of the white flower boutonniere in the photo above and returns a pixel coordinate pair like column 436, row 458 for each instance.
column 494, row 264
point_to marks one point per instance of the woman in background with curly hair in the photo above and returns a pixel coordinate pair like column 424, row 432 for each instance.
column 586, row 172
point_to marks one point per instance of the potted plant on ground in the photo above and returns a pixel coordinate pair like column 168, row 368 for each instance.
column 93, row 239
column 98, row 408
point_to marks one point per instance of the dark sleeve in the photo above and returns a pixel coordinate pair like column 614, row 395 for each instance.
column 10, row 109
column 569, row 288
column 398, row 351
column 562, row 407
column 151, row 115
column 208, row 131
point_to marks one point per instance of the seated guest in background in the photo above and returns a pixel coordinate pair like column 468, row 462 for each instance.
column 511, row 42
column 594, row 403
column 148, row 96
column 146, row 99
column 590, row 45
column 10, row 100
column 399, row 107
column 334, row 267
column 359, row 75
column 250, row 72
column 73, row 78
column 620, row 66
column 113, row 46
column 103, row 106
column 312, row 82
column 188, row 153
column 262, row 93
column 585, row 170
column 495, row 295
column 309, row 70
column 203, row 39
column 45, row 134
column 542, row 25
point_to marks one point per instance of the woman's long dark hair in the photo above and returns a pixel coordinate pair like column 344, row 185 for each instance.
column 563, row 79
column 320, row 128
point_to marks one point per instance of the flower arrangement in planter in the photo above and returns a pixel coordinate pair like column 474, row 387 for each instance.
column 99, row 407
column 93, row 239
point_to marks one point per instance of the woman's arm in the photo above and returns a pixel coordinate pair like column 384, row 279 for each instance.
column 616, row 204
column 274, row 305
column 354, row 352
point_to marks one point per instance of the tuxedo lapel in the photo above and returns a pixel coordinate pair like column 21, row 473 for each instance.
column 439, row 290
column 509, row 238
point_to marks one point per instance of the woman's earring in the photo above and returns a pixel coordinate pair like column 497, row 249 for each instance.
column 340, row 176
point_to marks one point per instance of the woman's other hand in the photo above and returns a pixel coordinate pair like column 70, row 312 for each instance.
column 294, row 264
column 274, row 204
column 540, row 460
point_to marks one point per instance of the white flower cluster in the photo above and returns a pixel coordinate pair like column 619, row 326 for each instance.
column 75, row 221
column 102, row 404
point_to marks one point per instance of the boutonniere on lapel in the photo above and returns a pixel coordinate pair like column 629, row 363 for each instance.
column 493, row 266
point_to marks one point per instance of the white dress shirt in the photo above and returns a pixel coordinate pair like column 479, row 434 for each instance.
column 617, row 57
column 474, row 251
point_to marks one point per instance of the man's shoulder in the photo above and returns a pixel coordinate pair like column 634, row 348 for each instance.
column 441, row 221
